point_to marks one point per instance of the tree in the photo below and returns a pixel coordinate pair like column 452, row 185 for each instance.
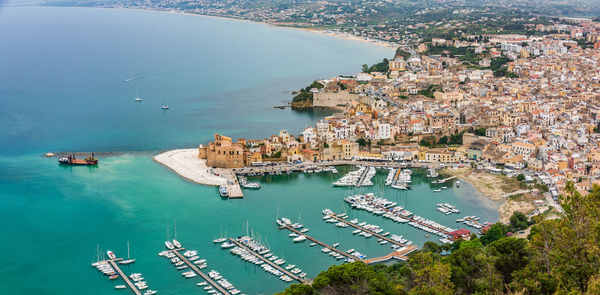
column 518, row 221
column 511, row 255
column 474, row 272
column 365, row 68
column 443, row 140
column 362, row 142
column 521, row 177
column 430, row 276
column 496, row 232
column 479, row 131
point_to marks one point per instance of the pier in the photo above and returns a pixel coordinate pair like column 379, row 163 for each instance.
column 266, row 260
column 411, row 219
column 446, row 179
column 368, row 231
column 321, row 243
column 475, row 222
column 199, row 272
column 400, row 255
column 123, row 276
column 362, row 177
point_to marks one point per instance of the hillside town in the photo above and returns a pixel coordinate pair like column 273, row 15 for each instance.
column 539, row 119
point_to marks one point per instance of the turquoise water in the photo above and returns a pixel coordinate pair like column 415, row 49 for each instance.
column 62, row 88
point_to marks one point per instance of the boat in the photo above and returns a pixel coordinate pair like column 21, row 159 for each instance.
column 437, row 190
column 169, row 245
column 71, row 160
column 118, row 287
column 137, row 98
column 219, row 240
column 176, row 243
column 111, row 254
column 223, row 191
column 299, row 239
column 457, row 183
column 128, row 260
column 114, row 277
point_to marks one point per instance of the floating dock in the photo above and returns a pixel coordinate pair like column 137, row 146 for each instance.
column 411, row 219
column 321, row 243
column 446, row 179
column 123, row 276
column 266, row 260
column 199, row 272
column 368, row 231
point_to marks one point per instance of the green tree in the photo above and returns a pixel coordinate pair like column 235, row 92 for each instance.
column 474, row 272
column 430, row 276
column 518, row 221
column 510, row 255
column 496, row 232
column 521, row 177
column 362, row 142
column 479, row 131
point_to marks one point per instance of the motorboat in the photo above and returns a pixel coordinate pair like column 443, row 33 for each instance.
column 169, row 245
column 111, row 254
column 176, row 243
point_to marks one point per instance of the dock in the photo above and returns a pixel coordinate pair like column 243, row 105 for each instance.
column 199, row 272
column 368, row 231
column 362, row 177
column 446, row 179
column 266, row 260
column 475, row 222
column 400, row 255
column 123, row 276
column 411, row 219
column 321, row 243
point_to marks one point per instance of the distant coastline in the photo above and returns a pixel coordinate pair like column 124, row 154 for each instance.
column 311, row 30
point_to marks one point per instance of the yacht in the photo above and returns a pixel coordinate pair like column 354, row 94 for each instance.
column 137, row 98
column 111, row 254
column 120, row 287
column 219, row 240
column 299, row 239
column 176, row 243
column 223, row 191
column 169, row 245
column 164, row 107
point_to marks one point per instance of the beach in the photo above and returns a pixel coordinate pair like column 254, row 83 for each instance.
column 186, row 163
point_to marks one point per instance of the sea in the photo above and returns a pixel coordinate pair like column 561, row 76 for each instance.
column 68, row 78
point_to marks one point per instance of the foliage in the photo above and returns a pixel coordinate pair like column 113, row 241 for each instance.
column 362, row 142
column 479, row 131
column 378, row 67
column 304, row 95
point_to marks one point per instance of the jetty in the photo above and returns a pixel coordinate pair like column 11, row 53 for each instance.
column 266, row 260
column 199, row 272
column 367, row 230
column 123, row 276
column 362, row 177
column 446, row 179
column 400, row 255
column 321, row 243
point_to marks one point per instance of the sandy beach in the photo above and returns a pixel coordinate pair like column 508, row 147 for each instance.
column 186, row 163
column 493, row 187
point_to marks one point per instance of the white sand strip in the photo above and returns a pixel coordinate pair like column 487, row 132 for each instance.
column 186, row 163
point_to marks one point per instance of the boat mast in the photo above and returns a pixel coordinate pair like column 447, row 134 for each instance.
column 127, row 249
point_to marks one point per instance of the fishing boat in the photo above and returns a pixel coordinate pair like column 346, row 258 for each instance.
column 71, row 160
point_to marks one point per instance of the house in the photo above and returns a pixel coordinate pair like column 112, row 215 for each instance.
column 458, row 234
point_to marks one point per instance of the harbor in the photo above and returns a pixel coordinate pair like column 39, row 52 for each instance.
column 268, row 261
column 182, row 261
column 110, row 268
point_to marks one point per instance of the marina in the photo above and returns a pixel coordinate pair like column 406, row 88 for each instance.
column 110, row 268
column 271, row 263
column 349, row 257
column 183, row 260
column 375, row 233
column 357, row 178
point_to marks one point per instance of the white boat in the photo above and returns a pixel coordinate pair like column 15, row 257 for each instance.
column 137, row 98
column 223, row 191
column 169, row 245
column 299, row 239
column 176, row 243
column 111, row 254
column 118, row 287
column 219, row 240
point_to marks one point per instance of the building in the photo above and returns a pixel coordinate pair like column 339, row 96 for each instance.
column 223, row 153
column 458, row 234
column 398, row 64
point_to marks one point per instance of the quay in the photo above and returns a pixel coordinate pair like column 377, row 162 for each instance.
column 321, row 243
column 123, row 276
column 368, row 231
column 475, row 222
column 199, row 272
column 266, row 260
column 400, row 255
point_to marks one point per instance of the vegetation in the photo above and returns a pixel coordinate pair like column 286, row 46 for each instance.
column 304, row 95
column 560, row 256
column 382, row 67
column 479, row 131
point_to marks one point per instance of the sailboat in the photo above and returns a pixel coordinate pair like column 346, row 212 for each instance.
column 221, row 239
column 164, row 106
column 128, row 260
column 168, row 243
column 175, row 242
column 137, row 97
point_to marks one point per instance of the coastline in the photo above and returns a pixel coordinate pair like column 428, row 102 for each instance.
column 311, row 30
column 492, row 187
